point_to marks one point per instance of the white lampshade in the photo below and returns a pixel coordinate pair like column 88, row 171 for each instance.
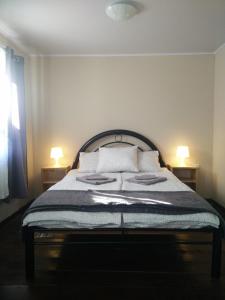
column 56, row 153
column 120, row 10
column 182, row 154
column 183, row 151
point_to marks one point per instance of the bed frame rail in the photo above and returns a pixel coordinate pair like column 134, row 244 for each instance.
column 120, row 237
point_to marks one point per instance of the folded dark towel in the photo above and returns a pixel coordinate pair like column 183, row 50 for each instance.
column 95, row 182
column 147, row 182
column 145, row 177
column 95, row 177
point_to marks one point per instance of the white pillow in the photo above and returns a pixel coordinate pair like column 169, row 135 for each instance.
column 148, row 161
column 118, row 159
column 88, row 161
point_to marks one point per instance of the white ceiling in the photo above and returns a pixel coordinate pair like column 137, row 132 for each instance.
column 81, row 26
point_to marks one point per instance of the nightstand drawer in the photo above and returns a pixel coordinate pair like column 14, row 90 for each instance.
column 185, row 174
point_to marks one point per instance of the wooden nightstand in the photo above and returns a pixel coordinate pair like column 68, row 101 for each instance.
column 51, row 175
column 187, row 175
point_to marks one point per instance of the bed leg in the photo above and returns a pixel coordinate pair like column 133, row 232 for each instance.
column 29, row 253
column 216, row 254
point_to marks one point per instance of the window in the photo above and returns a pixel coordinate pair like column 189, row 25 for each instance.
column 4, row 113
column 13, row 175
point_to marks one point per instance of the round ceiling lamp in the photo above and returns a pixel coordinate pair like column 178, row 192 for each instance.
column 121, row 10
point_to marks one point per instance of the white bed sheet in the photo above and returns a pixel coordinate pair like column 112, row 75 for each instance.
column 193, row 221
column 172, row 184
column 73, row 219
column 92, row 220
column 69, row 182
column 78, row 220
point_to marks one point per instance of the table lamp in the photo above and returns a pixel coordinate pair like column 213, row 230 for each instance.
column 56, row 153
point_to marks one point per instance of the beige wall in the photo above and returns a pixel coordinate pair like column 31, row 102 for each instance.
column 167, row 98
column 219, row 128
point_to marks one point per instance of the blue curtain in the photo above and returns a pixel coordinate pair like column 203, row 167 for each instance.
column 17, row 166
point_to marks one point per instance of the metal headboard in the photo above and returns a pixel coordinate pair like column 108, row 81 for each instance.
column 118, row 133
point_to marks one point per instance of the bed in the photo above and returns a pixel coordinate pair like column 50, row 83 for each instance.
column 133, row 211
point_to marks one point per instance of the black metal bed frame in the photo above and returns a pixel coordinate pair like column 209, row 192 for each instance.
column 121, row 236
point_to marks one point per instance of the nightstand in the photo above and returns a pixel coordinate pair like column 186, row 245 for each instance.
column 51, row 175
column 187, row 175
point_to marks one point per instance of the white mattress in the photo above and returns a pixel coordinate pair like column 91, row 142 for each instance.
column 70, row 219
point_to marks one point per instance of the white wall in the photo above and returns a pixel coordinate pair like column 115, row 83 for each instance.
column 219, row 128
column 167, row 98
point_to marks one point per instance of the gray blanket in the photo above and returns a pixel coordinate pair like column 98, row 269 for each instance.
column 169, row 203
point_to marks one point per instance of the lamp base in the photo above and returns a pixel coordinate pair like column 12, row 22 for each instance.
column 57, row 164
column 182, row 162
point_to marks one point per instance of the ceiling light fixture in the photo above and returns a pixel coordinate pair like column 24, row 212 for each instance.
column 121, row 10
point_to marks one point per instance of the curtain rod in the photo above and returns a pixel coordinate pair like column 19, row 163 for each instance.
column 5, row 44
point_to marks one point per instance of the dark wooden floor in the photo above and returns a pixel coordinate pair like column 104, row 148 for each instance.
column 161, row 272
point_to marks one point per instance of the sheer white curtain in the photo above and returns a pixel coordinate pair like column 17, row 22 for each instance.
column 4, row 113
